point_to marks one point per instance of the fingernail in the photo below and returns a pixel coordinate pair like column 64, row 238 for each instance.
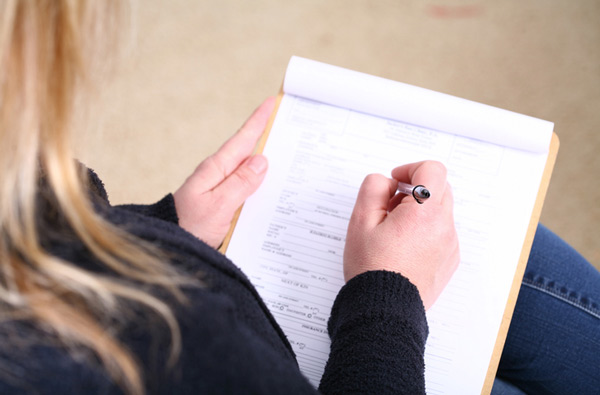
column 257, row 164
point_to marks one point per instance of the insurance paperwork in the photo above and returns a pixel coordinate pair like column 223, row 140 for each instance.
column 333, row 127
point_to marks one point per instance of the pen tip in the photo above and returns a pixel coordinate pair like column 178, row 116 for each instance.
column 425, row 193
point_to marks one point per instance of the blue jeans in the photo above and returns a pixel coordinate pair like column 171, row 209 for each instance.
column 553, row 344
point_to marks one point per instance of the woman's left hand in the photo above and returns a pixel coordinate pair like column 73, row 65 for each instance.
column 209, row 198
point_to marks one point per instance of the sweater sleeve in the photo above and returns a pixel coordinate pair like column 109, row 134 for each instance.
column 163, row 209
column 378, row 330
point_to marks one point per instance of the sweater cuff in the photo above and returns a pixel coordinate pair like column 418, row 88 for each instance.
column 378, row 296
column 164, row 209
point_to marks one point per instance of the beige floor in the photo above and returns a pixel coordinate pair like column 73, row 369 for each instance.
column 202, row 66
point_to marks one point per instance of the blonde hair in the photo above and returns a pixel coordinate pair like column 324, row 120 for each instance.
column 49, row 52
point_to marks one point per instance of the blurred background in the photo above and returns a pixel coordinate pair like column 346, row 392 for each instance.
column 200, row 67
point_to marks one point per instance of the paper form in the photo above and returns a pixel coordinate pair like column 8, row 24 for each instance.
column 290, row 236
column 414, row 105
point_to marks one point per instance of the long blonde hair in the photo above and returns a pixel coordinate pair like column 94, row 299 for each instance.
column 49, row 52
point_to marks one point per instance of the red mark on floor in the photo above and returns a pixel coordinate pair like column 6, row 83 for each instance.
column 454, row 12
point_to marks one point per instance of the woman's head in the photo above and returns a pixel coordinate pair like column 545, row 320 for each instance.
column 51, row 52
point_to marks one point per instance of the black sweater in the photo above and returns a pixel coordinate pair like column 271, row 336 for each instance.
column 231, row 344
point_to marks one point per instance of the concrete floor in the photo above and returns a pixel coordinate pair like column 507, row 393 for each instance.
column 201, row 67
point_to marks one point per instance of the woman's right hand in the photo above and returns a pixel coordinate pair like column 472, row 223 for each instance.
column 394, row 233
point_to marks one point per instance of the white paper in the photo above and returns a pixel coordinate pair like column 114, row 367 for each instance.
column 290, row 236
column 413, row 105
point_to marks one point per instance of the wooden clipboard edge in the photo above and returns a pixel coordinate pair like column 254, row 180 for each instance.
column 516, row 285
column 260, row 146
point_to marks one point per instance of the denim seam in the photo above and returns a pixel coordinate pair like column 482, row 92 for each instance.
column 550, row 292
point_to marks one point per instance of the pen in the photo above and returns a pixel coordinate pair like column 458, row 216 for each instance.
column 419, row 192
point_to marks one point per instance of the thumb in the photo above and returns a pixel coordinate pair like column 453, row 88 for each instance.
column 372, row 201
column 242, row 183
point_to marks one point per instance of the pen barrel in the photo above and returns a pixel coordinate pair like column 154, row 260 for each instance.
column 406, row 189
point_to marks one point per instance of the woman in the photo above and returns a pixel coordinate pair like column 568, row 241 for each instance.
column 104, row 299
column 98, row 299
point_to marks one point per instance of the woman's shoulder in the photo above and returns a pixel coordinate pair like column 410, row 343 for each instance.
column 32, row 362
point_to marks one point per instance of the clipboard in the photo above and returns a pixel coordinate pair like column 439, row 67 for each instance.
column 518, row 274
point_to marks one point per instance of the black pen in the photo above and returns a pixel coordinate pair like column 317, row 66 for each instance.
column 419, row 192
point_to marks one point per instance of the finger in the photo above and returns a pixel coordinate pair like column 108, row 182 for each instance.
column 404, row 173
column 240, row 184
column 372, row 202
column 237, row 149
column 431, row 174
